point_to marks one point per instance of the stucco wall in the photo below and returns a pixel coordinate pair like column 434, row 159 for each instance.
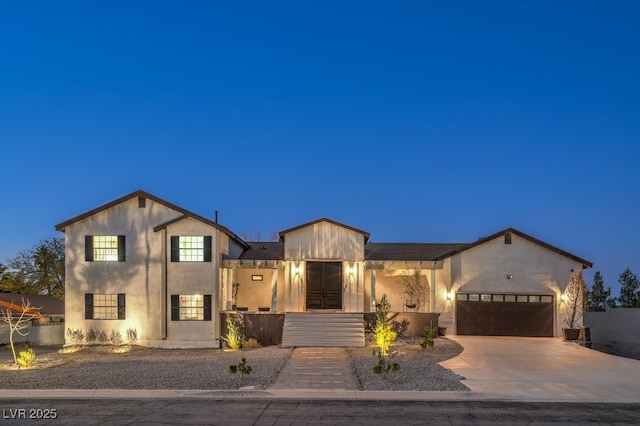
column 615, row 331
column 45, row 335
column 190, row 278
column 254, row 294
column 139, row 277
column 532, row 269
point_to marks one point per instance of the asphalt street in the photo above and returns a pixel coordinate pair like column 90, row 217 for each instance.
column 206, row 411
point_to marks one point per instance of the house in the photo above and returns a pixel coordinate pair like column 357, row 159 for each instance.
column 142, row 263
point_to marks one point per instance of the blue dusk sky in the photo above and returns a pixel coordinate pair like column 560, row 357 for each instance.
column 415, row 121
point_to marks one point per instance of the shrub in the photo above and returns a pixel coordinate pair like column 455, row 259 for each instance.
column 234, row 333
column 115, row 338
column 132, row 335
column 243, row 367
column 92, row 335
column 26, row 358
column 75, row 336
column 102, row 336
column 429, row 334
column 400, row 327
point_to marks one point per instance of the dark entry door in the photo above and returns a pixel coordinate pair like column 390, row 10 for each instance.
column 324, row 285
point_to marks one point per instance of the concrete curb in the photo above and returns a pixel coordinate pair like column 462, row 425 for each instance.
column 293, row 394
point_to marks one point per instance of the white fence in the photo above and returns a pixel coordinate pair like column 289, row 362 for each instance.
column 616, row 331
column 42, row 335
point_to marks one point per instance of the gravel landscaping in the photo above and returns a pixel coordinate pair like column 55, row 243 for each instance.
column 101, row 367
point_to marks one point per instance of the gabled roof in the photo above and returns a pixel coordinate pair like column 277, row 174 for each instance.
column 324, row 219
column 139, row 193
column 409, row 251
column 521, row 234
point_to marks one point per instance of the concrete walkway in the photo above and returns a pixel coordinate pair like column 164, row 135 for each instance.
column 327, row 369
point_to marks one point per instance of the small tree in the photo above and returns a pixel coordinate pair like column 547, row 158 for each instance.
column 414, row 289
column 18, row 319
column 575, row 300
column 629, row 284
column 599, row 298
column 385, row 336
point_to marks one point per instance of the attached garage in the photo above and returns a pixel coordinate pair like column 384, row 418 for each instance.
column 504, row 314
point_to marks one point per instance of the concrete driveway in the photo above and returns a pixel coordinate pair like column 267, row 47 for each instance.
column 544, row 369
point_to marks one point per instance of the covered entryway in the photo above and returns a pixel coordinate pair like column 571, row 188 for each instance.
column 504, row 315
column 324, row 285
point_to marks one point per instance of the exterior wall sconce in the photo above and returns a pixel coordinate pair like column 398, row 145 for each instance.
column 508, row 276
column 351, row 270
column 296, row 270
column 449, row 296
column 563, row 297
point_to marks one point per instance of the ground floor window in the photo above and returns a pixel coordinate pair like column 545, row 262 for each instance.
column 104, row 306
column 191, row 307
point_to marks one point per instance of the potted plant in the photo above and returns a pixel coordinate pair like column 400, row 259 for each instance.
column 413, row 289
column 574, row 300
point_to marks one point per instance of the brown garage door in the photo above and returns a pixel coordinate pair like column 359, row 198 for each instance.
column 504, row 315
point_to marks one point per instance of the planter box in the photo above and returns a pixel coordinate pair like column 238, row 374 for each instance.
column 570, row 333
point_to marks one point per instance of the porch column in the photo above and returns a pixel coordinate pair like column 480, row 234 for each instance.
column 372, row 302
column 432, row 288
column 274, row 290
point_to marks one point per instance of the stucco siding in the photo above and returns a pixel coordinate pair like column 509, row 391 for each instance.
column 139, row 277
column 193, row 278
column 520, row 267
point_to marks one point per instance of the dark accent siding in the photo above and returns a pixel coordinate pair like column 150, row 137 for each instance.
column 122, row 253
column 121, row 307
column 207, row 307
column 208, row 242
column 175, row 307
column 88, row 248
column 175, row 248
column 88, row 306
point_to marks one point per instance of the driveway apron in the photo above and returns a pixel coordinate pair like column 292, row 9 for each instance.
column 316, row 369
column 546, row 369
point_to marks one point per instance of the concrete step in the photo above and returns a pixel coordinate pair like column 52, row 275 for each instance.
column 315, row 329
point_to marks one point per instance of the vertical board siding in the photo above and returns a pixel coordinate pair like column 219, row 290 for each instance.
column 324, row 241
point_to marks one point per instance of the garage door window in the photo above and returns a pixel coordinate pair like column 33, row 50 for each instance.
column 520, row 298
column 546, row 299
column 462, row 297
column 498, row 297
column 485, row 298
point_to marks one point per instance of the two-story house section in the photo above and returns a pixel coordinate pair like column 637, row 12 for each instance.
column 142, row 264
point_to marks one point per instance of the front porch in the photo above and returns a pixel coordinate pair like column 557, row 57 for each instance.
column 319, row 329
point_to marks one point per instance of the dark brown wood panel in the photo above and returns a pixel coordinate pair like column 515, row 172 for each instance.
column 532, row 319
column 324, row 285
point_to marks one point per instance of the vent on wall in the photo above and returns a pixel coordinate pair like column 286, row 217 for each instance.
column 142, row 202
column 507, row 238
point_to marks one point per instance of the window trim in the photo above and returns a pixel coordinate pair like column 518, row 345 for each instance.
column 89, row 252
column 89, row 311
column 175, row 307
column 207, row 249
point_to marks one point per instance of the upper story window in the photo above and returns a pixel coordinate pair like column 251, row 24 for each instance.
column 104, row 248
column 191, row 248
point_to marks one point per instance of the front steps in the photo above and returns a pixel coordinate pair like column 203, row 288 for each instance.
column 323, row 329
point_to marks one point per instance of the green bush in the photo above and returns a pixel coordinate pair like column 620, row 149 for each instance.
column 132, row 335
column 234, row 333
column 428, row 334
column 26, row 358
